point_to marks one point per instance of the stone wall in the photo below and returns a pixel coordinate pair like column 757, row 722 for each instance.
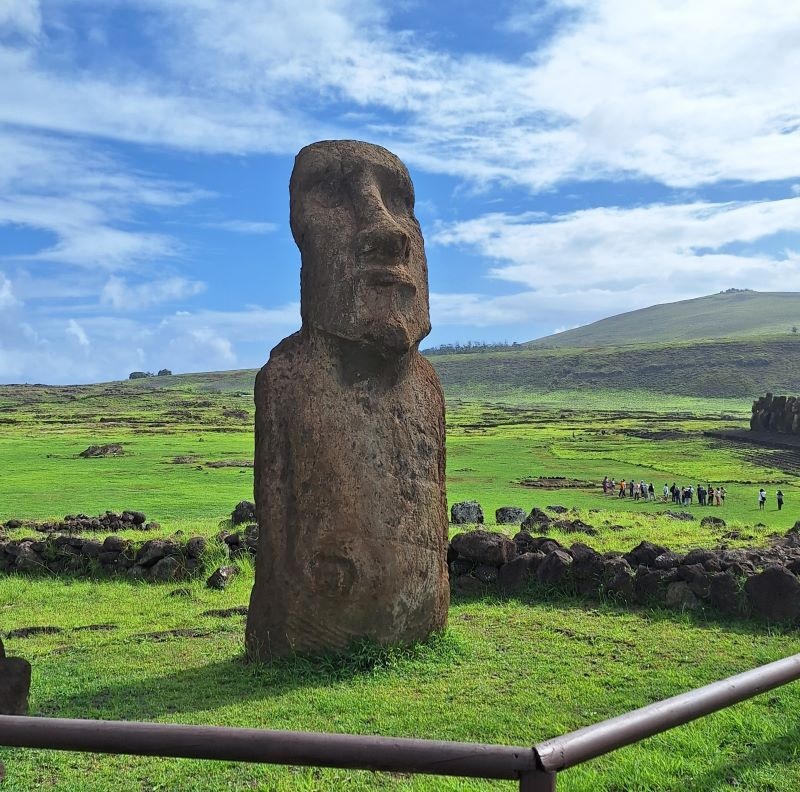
column 156, row 560
column 779, row 414
column 757, row 582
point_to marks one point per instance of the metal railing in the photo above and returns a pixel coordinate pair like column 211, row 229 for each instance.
column 534, row 768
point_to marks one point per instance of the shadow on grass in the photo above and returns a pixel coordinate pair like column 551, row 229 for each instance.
column 565, row 598
column 775, row 752
column 225, row 682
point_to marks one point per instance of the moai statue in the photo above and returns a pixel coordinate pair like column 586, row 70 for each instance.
column 15, row 682
column 350, row 454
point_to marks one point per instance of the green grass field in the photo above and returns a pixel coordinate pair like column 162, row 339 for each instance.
column 510, row 671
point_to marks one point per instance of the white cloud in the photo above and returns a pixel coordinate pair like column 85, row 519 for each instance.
column 75, row 330
column 581, row 266
column 682, row 92
column 7, row 298
column 245, row 226
column 22, row 17
column 123, row 295
column 33, row 348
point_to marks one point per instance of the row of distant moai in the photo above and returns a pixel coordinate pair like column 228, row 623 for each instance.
column 776, row 414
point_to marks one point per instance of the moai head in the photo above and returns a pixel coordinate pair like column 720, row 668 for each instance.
column 364, row 275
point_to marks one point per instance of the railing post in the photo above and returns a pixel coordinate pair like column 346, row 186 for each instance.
column 537, row 781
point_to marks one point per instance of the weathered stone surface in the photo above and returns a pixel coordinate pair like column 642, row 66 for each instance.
column 470, row 586
column 466, row 512
column 461, row 566
column 221, row 576
column 649, row 587
column 484, row 547
column 645, row 553
column 196, row 546
column 15, row 683
column 774, row 594
column 554, row 568
column 510, row 515
column 486, row 573
column 243, row 512
column 516, row 574
column 349, row 462
column 713, row 522
column 725, row 593
column 680, row 596
column 536, row 519
column 167, row 569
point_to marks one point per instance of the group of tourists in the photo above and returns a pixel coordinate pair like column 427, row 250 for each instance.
column 683, row 496
column 762, row 499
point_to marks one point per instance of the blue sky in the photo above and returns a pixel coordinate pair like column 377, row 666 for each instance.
column 572, row 159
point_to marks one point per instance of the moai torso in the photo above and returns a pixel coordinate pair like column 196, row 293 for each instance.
column 349, row 463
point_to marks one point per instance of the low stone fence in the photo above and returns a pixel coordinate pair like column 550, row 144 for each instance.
column 81, row 523
column 758, row 582
column 155, row 560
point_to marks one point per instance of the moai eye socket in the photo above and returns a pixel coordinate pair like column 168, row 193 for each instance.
column 328, row 192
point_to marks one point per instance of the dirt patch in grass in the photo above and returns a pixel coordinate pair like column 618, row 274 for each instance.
column 27, row 632
column 96, row 628
column 225, row 613
column 556, row 482
column 655, row 434
column 225, row 463
column 165, row 635
column 109, row 449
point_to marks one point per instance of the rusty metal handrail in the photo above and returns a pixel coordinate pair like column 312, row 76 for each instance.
column 350, row 751
column 535, row 768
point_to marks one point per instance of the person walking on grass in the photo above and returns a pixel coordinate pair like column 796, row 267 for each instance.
column 621, row 489
column 722, row 495
column 666, row 493
column 762, row 499
column 651, row 492
column 779, row 496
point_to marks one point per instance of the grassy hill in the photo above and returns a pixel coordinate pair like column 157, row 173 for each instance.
column 742, row 368
column 730, row 345
column 731, row 314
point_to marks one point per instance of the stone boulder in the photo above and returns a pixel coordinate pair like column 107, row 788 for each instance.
column 712, row 522
column 244, row 512
column 645, row 553
column 15, row 684
column 510, row 515
column 466, row 513
column 774, row 594
column 725, row 593
column 484, row 547
column 536, row 519
column 680, row 596
column 517, row 574
column 554, row 568
column 221, row 577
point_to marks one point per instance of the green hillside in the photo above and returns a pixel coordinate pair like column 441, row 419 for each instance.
column 742, row 368
column 729, row 314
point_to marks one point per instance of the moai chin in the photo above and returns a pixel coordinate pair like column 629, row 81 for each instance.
column 350, row 453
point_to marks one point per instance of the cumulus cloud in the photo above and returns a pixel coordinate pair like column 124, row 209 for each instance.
column 77, row 332
column 20, row 17
column 7, row 298
column 245, row 226
column 590, row 263
column 670, row 90
column 104, row 347
column 123, row 295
